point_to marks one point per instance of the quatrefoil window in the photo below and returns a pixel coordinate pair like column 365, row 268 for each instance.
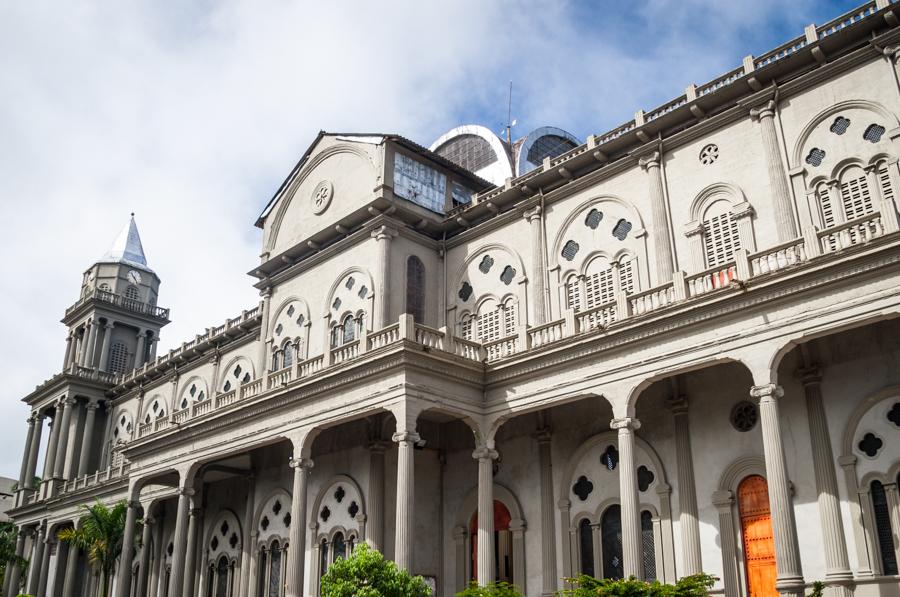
column 870, row 444
column 873, row 133
column 214, row 544
column 325, row 514
column 509, row 272
column 894, row 414
column 840, row 125
column 582, row 488
column 287, row 519
column 593, row 219
column 233, row 540
column 290, row 310
column 276, row 507
column 301, row 320
column 224, row 528
column 336, row 304
column 339, row 494
column 645, row 478
column 487, row 262
column 815, row 156
column 350, row 282
column 569, row 250
column 363, row 291
column 610, row 458
column 465, row 291
column 170, row 549
column 227, row 386
column 353, row 509
column 278, row 329
column 237, row 371
column 264, row 523
column 184, row 403
column 122, row 420
column 621, row 229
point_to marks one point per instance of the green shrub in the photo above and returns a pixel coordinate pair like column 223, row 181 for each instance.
column 817, row 589
column 495, row 589
column 367, row 574
column 697, row 585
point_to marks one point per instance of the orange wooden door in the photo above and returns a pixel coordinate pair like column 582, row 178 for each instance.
column 759, row 541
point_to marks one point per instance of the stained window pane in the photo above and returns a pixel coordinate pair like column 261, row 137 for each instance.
column 339, row 547
column 587, row 547
column 611, row 534
column 275, row 571
column 648, row 550
column 883, row 528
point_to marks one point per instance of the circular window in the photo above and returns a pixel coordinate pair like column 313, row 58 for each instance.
column 321, row 196
column 709, row 154
column 744, row 416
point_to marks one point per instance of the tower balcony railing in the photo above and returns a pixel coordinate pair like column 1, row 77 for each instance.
column 111, row 298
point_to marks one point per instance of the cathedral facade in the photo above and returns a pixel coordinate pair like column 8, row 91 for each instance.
column 671, row 348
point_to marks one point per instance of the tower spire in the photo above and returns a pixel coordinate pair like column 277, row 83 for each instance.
column 127, row 247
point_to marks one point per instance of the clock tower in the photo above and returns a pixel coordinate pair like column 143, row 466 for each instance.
column 114, row 325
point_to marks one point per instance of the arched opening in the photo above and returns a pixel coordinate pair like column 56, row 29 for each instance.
column 415, row 288
column 883, row 531
column 611, row 541
column 503, row 552
column 586, row 545
column 222, row 578
column 758, row 538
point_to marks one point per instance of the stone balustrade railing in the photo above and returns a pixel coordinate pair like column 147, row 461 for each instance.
column 111, row 473
column 730, row 276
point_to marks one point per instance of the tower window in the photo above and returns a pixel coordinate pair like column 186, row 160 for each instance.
column 118, row 358
column 415, row 288
column 132, row 293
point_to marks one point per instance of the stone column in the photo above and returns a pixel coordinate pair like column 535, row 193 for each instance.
column 631, row 514
column 14, row 571
column 538, row 268
column 153, row 343
column 144, row 569
column 785, row 223
column 69, row 582
column 123, row 575
column 485, row 538
column 687, row 489
column 723, row 501
column 85, row 343
column 37, row 556
column 33, row 448
column 247, row 548
column 70, row 349
column 180, row 538
column 53, row 443
column 787, row 551
column 92, row 345
column 190, row 559
column 383, row 237
column 837, row 563
column 139, row 351
column 375, row 513
column 49, row 544
column 63, row 437
column 104, row 350
column 156, row 579
column 23, row 470
column 662, row 248
column 297, row 539
column 87, row 437
column 549, row 574
column 403, row 538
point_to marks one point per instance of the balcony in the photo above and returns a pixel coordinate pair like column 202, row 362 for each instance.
column 117, row 300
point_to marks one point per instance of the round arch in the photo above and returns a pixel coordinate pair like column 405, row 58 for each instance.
column 638, row 231
column 803, row 137
column 478, row 252
column 303, row 306
column 329, row 297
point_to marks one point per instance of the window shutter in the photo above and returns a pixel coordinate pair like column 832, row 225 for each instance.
column 489, row 325
column 465, row 328
column 626, row 276
column 720, row 239
column 826, row 210
column 884, row 179
column 573, row 293
column 599, row 288
column 855, row 197
column 510, row 318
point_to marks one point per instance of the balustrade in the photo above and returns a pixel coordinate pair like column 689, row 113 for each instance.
column 855, row 232
column 652, row 299
column 778, row 258
column 597, row 318
column 711, row 279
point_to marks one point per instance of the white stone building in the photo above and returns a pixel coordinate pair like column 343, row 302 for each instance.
column 672, row 348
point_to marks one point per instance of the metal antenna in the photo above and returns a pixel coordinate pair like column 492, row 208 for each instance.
column 509, row 117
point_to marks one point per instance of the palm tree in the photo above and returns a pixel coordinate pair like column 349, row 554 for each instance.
column 99, row 534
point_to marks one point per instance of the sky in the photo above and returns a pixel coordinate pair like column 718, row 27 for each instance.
column 190, row 114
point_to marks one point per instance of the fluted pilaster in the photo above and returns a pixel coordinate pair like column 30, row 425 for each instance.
column 787, row 551
column 538, row 267
column 190, row 559
column 144, row 567
column 628, row 492
column 485, row 538
column 548, row 524
column 62, row 441
column 23, row 470
column 383, row 238
column 375, row 511
column 785, row 223
column 403, row 539
column 180, row 541
column 37, row 556
column 33, row 449
column 297, row 539
column 687, row 489
column 723, row 500
column 86, row 437
column 123, row 582
column 662, row 248
column 44, row 575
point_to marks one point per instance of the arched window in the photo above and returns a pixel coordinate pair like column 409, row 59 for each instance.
column 586, row 543
column 597, row 286
column 262, row 574
column 276, row 360
column 276, row 586
column 287, row 351
column 132, row 293
column 648, row 549
column 757, row 535
column 348, row 329
column 720, row 234
column 221, row 578
column 415, row 288
column 856, row 197
column 338, row 548
column 503, row 560
column 118, row 357
column 611, row 541
column 882, row 515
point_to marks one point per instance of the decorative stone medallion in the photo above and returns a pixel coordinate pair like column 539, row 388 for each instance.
column 321, row 196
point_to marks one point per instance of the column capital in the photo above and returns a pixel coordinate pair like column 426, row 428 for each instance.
column 406, row 436
column 485, row 453
column 678, row 405
column 187, row 491
column 767, row 392
column 142, row 334
column 68, row 401
column 544, row 435
column 195, row 512
column 384, row 233
column 722, row 499
column 651, row 160
column 765, row 111
column 109, row 325
column 378, row 446
column 625, row 423
column 135, row 504
column 811, row 375
column 532, row 214
column 149, row 520
column 92, row 404
column 301, row 463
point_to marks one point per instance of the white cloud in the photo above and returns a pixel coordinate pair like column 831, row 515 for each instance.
column 189, row 114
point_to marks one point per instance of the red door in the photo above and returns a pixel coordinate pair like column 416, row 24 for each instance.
column 759, row 541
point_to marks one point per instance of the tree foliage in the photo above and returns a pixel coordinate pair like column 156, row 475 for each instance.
column 100, row 534
column 697, row 585
column 495, row 589
column 9, row 534
column 367, row 574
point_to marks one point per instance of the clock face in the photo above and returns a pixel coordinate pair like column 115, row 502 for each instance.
column 134, row 277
